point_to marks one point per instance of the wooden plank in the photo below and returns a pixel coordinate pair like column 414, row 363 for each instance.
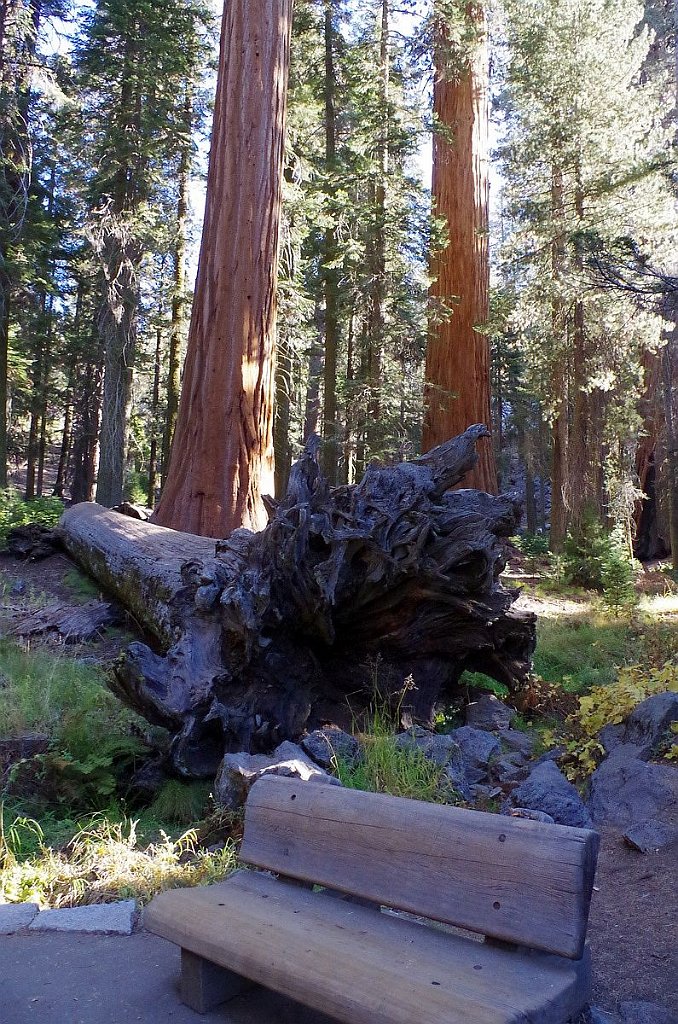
column 513, row 879
column 205, row 985
column 360, row 966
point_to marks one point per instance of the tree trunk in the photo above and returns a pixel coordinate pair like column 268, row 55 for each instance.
column 331, row 287
column 281, row 430
column 155, row 412
column 222, row 453
column 65, row 451
column 179, row 295
column 669, row 361
column 457, row 390
column 266, row 634
column 559, row 375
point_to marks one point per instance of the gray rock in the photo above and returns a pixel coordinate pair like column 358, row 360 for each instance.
column 647, row 723
column 527, row 812
column 507, row 770
column 594, row 1015
column 325, row 745
column 482, row 794
column 112, row 918
column 489, row 713
column 650, row 836
column 638, row 1012
column 547, row 789
column 15, row 916
column 239, row 772
column 610, row 736
column 477, row 745
column 625, row 790
column 517, row 740
column 444, row 751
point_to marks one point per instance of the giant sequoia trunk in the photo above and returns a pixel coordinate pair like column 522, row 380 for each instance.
column 267, row 633
column 222, row 453
column 458, row 356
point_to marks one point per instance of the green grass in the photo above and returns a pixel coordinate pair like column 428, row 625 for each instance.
column 56, row 695
column 182, row 803
column 578, row 653
column 385, row 768
column 81, row 587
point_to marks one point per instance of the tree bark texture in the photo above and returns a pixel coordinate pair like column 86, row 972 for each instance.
column 266, row 634
column 222, row 452
column 457, row 391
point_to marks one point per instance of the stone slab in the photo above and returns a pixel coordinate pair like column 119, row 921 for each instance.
column 107, row 918
column 15, row 916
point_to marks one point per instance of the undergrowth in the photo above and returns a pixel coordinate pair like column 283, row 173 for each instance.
column 608, row 705
column 14, row 511
column 102, row 863
column 385, row 767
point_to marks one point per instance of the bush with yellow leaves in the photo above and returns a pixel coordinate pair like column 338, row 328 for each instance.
column 611, row 705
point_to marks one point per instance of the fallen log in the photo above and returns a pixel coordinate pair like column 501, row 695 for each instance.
column 261, row 635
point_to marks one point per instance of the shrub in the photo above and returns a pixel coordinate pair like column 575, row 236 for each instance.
column 611, row 705
column 14, row 511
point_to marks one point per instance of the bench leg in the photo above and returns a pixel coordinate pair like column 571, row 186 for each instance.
column 205, row 985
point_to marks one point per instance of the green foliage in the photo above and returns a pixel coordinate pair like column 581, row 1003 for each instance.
column 182, row 803
column 533, row 545
column 611, row 705
column 479, row 681
column 16, row 512
column 585, row 552
column 618, row 582
column 92, row 743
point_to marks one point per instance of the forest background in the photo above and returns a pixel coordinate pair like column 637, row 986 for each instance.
column 104, row 117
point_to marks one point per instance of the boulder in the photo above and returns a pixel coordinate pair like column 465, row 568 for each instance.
column 477, row 746
column 514, row 739
column 650, row 836
column 547, row 789
column 489, row 713
column 625, row 790
column 647, row 723
column 325, row 745
column 639, row 1012
column 610, row 736
column 239, row 772
column 444, row 751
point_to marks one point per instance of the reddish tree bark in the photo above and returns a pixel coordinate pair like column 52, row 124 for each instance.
column 457, row 391
column 222, row 453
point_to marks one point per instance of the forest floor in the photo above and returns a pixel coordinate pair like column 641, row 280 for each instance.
column 633, row 914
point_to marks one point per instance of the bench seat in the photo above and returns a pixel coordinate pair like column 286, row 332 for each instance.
column 362, row 966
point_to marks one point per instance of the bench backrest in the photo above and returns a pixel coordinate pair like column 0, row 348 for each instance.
column 513, row 879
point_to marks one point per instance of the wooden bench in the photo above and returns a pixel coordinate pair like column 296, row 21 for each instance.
column 524, row 885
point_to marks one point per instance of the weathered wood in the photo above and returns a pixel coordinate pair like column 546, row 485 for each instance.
column 265, row 634
column 361, row 966
column 205, row 985
column 74, row 625
column 510, row 878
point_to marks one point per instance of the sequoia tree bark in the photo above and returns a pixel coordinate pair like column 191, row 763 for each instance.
column 266, row 634
column 222, row 453
column 457, row 391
